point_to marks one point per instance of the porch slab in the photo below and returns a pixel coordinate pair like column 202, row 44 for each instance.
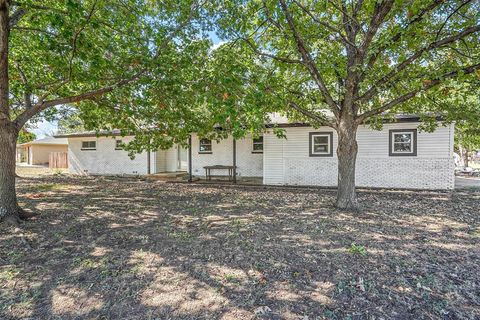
column 168, row 176
column 225, row 180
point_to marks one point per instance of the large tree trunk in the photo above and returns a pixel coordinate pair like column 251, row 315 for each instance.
column 347, row 156
column 9, row 209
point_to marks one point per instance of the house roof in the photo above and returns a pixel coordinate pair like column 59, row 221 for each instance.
column 101, row 133
column 47, row 141
column 282, row 121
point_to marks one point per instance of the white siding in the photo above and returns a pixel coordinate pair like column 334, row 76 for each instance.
column 273, row 160
column 171, row 159
column 287, row 161
column 160, row 161
column 248, row 164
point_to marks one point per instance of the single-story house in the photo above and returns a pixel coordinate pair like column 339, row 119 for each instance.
column 399, row 156
column 38, row 152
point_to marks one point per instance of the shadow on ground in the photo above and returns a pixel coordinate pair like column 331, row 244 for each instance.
column 129, row 249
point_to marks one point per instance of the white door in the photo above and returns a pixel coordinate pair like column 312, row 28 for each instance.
column 182, row 159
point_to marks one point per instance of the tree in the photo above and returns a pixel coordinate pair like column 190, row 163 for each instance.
column 346, row 63
column 70, row 122
column 467, row 140
column 466, row 99
column 69, row 52
column 25, row 136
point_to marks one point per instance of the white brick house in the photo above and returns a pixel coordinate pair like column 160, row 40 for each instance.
column 399, row 156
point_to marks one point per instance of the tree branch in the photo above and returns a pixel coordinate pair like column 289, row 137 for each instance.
column 381, row 11
column 308, row 61
column 16, row 17
column 397, row 36
column 324, row 24
column 449, row 16
column 75, row 38
column 321, row 120
column 36, row 6
column 34, row 30
column 27, row 94
column 268, row 55
column 382, row 83
column 413, row 93
column 90, row 95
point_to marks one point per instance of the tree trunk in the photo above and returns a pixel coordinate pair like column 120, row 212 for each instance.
column 463, row 153
column 347, row 156
column 9, row 209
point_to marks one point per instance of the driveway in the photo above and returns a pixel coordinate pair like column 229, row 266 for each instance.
column 467, row 182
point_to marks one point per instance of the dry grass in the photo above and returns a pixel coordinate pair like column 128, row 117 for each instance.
column 108, row 248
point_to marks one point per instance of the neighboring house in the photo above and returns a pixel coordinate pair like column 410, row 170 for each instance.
column 38, row 152
column 399, row 156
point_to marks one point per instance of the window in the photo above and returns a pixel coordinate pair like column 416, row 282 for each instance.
column 118, row 145
column 258, row 145
column 89, row 145
column 321, row 144
column 205, row 146
column 403, row 142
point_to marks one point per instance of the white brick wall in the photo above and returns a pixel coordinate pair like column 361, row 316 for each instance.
column 104, row 160
column 288, row 161
column 248, row 164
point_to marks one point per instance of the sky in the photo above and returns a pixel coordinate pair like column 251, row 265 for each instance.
column 46, row 128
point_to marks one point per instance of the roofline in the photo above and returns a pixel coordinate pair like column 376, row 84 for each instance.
column 90, row 135
column 406, row 119
column 41, row 144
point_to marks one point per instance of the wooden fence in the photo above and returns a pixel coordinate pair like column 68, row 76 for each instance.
column 58, row 160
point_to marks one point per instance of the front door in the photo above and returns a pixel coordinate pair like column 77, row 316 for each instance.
column 182, row 159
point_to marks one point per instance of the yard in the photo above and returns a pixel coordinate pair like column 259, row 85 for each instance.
column 117, row 248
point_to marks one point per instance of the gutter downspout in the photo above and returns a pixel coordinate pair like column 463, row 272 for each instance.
column 234, row 160
column 190, row 174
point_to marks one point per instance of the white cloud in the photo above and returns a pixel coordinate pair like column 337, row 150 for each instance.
column 218, row 45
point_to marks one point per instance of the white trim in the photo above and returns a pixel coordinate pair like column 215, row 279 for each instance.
column 412, row 142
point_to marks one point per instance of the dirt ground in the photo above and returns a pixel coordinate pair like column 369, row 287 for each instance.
column 117, row 248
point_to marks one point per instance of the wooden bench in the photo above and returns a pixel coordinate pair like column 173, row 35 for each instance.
column 208, row 171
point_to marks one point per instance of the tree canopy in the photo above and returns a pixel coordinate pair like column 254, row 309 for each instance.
column 372, row 55
column 64, row 52
column 25, row 136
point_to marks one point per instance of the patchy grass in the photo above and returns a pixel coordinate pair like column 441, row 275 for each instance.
column 356, row 249
column 108, row 248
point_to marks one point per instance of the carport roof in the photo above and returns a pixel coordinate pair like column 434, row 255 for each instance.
column 47, row 141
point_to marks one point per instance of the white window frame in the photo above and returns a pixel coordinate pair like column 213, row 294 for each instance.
column 89, row 148
column 329, row 152
column 413, row 142
column 254, row 143
column 200, row 144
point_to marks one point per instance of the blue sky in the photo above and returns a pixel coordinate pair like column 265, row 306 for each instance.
column 45, row 128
